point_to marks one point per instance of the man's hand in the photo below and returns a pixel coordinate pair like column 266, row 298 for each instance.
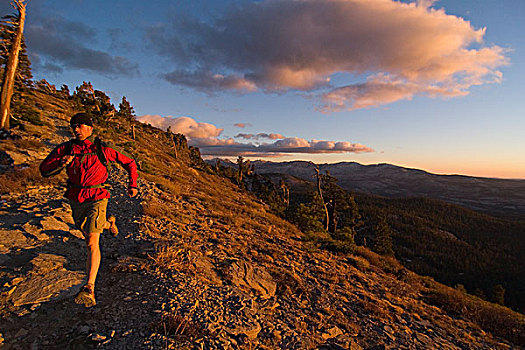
column 66, row 159
column 132, row 192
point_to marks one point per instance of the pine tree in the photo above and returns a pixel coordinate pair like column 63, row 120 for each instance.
column 383, row 239
column 308, row 216
column 125, row 110
column 64, row 91
column 105, row 108
column 84, row 96
column 342, row 208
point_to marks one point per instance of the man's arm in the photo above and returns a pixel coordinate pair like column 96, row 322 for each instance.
column 55, row 161
column 128, row 164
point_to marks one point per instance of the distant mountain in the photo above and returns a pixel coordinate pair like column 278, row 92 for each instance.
column 496, row 196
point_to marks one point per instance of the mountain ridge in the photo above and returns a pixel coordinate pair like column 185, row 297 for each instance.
column 379, row 165
column 492, row 195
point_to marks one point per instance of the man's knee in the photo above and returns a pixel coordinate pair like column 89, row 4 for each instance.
column 92, row 240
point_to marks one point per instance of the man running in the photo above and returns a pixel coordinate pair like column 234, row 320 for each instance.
column 85, row 161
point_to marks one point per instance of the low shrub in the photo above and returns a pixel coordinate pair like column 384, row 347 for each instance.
column 493, row 318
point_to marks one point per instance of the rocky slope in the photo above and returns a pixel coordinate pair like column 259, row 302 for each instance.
column 211, row 283
column 200, row 264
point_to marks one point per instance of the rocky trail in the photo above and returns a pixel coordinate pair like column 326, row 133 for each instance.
column 43, row 259
column 200, row 283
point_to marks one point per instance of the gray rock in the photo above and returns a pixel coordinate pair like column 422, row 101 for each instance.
column 35, row 232
column 332, row 333
column 10, row 239
column 52, row 224
column 206, row 270
column 252, row 331
column 244, row 274
column 46, row 281
column 21, row 332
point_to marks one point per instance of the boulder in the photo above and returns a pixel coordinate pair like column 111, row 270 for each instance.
column 48, row 280
column 244, row 274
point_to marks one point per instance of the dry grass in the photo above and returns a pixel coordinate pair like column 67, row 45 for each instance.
column 359, row 263
column 24, row 143
column 385, row 263
column 171, row 256
column 168, row 257
column 178, row 327
column 158, row 209
column 494, row 318
column 288, row 283
column 18, row 179
column 375, row 307
column 130, row 264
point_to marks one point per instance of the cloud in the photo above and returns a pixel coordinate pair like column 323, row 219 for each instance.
column 382, row 89
column 210, row 81
column 183, row 125
column 242, row 125
column 401, row 49
column 270, row 136
column 118, row 42
column 206, row 137
column 59, row 44
column 259, row 136
column 229, row 147
column 245, row 136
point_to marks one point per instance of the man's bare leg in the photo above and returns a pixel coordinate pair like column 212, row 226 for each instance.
column 86, row 295
column 93, row 257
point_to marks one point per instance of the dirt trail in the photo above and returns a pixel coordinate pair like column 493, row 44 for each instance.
column 42, row 268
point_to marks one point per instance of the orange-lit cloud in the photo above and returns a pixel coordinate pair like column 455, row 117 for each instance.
column 206, row 137
column 260, row 135
column 393, row 50
column 229, row 147
column 183, row 125
column 242, row 125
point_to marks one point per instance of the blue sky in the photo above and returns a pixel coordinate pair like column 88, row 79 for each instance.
column 393, row 88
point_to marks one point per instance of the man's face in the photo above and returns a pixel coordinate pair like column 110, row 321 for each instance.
column 82, row 131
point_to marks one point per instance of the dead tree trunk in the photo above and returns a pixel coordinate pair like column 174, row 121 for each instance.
column 318, row 175
column 240, row 163
column 285, row 194
column 12, row 63
column 332, row 215
column 174, row 147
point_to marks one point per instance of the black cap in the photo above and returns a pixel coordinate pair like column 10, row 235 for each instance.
column 81, row 118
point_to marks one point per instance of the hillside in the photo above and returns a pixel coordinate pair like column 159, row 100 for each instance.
column 200, row 263
column 453, row 244
column 493, row 196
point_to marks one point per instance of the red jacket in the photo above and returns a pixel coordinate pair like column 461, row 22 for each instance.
column 86, row 170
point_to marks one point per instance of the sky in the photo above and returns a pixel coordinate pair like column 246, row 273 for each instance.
column 433, row 85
